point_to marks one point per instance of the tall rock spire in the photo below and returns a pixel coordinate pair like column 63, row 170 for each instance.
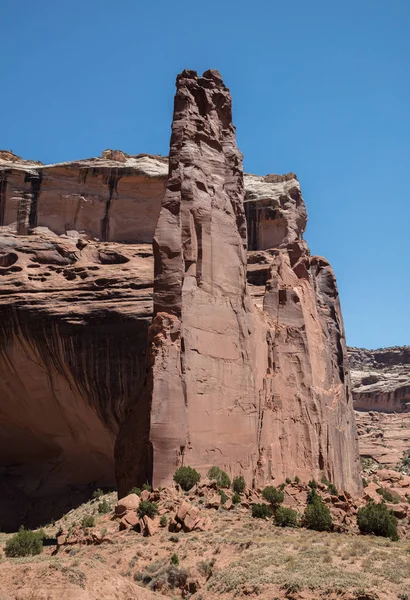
column 258, row 388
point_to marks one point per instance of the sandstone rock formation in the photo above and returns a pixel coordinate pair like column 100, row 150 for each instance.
column 256, row 376
column 263, row 392
column 381, row 394
column 381, row 378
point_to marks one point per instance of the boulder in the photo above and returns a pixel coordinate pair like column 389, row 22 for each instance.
column 130, row 502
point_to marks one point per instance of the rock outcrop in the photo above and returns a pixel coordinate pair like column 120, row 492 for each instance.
column 254, row 374
column 381, row 394
column 381, row 378
column 263, row 392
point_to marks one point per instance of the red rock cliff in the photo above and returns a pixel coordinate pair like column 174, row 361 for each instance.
column 251, row 376
column 265, row 390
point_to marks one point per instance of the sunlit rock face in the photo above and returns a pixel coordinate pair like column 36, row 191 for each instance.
column 172, row 311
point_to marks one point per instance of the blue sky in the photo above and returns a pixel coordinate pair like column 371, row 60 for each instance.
column 320, row 88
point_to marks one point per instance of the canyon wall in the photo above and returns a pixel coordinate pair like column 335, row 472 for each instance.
column 381, row 395
column 199, row 367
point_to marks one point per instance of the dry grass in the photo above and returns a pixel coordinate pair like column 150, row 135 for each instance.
column 239, row 556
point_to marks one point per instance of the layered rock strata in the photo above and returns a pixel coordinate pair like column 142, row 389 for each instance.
column 254, row 375
column 381, row 378
column 381, row 394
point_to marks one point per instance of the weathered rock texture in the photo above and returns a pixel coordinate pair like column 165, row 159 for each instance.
column 250, row 376
column 263, row 392
column 381, row 394
column 381, row 378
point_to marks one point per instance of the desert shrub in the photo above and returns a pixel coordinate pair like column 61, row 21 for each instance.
column 205, row 567
column 236, row 499
column 175, row 559
column 98, row 493
column 377, row 519
column 174, row 539
column 297, row 479
column 224, row 497
column 88, row 521
column 387, row 495
column 317, row 515
column 104, row 507
column 332, row 489
column 163, row 521
column 177, row 578
column 365, row 482
column 147, row 487
column 238, row 484
column 260, row 511
column 135, row 490
column 24, row 543
column 312, row 484
column 273, row 495
column 282, row 486
column 150, row 509
column 288, row 480
column 286, row 517
column 221, row 478
column 186, row 477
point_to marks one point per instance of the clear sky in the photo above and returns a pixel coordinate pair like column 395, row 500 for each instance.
column 320, row 87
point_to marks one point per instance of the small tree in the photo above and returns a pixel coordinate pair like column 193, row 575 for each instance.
column 221, row 478
column 150, row 509
column 175, row 559
column 24, row 543
column 239, row 484
column 98, row 493
column 186, row 477
column 273, row 495
column 260, row 511
column 317, row 515
column 377, row 519
column 135, row 490
column 286, row 517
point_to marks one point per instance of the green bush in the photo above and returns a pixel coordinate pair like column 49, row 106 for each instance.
column 98, row 493
column 175, row 559
column 147, row 487
column 297, row 479
column 224, row 497
column 377, row 519
column 104, row 507
column 317, row 515
column 24, row 543
column 239, row 484
column 288, row 480
column 147, row 508
column 286, row 517
column 221, row 478
column 273, row 495
column 186, row 477
column 163, row 521
column 332, row 489
column 88, row 521
column 387, row 495
column 135, row 490
column 365, row 482
column 236, row 499
column 260, row 511
column 312, row 484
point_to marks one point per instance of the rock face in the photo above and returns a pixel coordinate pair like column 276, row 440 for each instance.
column 381, row 393
column 204, row 369
column 263, row 392
column 381, row 378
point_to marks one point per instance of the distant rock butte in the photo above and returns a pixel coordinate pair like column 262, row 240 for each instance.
column 381, row 394
column 195, row 366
